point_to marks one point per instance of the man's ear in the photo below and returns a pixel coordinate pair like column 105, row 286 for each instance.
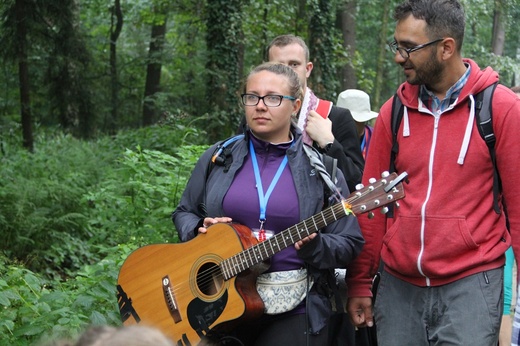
column 448, row 48
column 308, row 67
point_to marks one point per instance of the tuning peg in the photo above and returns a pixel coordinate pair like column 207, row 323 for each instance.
column 397, row 205
column 370, row 215
column 385, row 174
column 384, row 210
column 372, row 180
column 359, row 186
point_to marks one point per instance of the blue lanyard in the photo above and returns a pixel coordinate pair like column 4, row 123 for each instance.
column 262, row 199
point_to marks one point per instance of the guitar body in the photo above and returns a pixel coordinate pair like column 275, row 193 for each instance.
column 181, row 289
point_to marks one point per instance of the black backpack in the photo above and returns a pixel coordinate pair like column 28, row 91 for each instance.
column 484, row 121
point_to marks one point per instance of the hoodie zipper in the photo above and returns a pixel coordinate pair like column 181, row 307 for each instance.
column 423, row 207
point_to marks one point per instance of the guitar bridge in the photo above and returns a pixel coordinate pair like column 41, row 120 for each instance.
column 169, row 297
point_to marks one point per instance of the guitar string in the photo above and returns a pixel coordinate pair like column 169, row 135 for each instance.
column 215, row 273
column 207, row 276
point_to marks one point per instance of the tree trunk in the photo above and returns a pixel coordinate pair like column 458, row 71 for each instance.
column 23, row 75
column 115, row 31
column 223, row 40
column 153, row 73
column 323, row 80
column 499, row 28
column 347, row 24
column 381, row 58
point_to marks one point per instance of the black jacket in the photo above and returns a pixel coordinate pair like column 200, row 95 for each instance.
column 346, row 147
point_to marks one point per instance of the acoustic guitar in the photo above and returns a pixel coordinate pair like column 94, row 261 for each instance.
column 197, row 289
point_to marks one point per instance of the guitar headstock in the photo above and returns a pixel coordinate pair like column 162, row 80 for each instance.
column 379, row 193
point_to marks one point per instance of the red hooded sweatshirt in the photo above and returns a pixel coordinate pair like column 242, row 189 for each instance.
column 445, row 228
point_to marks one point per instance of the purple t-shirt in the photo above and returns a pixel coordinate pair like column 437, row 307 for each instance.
column 241, row 202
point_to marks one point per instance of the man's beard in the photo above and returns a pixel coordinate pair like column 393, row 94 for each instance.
column 429, row 73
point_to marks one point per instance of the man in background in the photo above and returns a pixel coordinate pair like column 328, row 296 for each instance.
column 333, row 133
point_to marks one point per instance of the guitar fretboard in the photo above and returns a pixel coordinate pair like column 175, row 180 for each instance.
column 264, row 250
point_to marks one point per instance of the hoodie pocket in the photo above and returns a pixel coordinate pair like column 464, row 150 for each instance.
column 442, row 248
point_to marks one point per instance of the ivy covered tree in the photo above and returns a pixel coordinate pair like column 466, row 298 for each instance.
column 322, row 43
column 223, row 67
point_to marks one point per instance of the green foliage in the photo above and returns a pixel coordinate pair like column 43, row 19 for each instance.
column 34, row 309
column 272, row 18
column 72, row 212
column 41, row 193
column 210, row 45
column 134, row 203
column 85, row 193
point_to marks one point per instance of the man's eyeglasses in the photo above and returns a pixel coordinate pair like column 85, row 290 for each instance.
column 269, row 100
column 405, row 52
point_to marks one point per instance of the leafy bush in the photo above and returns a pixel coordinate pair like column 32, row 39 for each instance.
column 71, row 213
column 134, row 203
column 33, row 308
column 41, row 194
column 69, row 194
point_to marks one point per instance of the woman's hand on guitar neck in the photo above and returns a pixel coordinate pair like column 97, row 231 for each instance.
column 299, row 244
column 208, row 221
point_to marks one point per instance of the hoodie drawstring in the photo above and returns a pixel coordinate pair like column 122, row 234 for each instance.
column 406, row 123
column 467, row 134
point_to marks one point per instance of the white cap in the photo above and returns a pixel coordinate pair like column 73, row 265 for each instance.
column 358, row 102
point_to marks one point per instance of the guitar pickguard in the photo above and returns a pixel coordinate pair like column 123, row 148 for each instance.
column 202, row 314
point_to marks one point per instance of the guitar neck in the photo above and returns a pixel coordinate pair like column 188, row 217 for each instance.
column 376, row 195
column 267, row 248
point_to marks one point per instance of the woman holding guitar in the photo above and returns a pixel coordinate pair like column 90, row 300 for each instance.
column 265, row 181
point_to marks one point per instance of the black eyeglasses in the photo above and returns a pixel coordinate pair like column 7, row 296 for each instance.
column 405, row 52
column 269, row 100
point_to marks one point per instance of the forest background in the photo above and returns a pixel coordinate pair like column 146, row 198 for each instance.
column 105, row 106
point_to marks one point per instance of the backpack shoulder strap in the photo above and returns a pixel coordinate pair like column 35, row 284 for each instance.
column 326, row 167
column 484, row 119
column 331, row 165
column 396, row 117
column 220, row 157
column 323, row 108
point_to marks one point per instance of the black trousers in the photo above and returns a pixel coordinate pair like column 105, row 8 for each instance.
column 286, row 330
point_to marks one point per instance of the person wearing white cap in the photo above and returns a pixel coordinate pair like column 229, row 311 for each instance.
column 358, row 102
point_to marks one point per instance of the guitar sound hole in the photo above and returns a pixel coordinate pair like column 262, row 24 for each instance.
column 209, row 279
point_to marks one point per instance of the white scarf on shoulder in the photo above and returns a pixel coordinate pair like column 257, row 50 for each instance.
column 310, row 102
